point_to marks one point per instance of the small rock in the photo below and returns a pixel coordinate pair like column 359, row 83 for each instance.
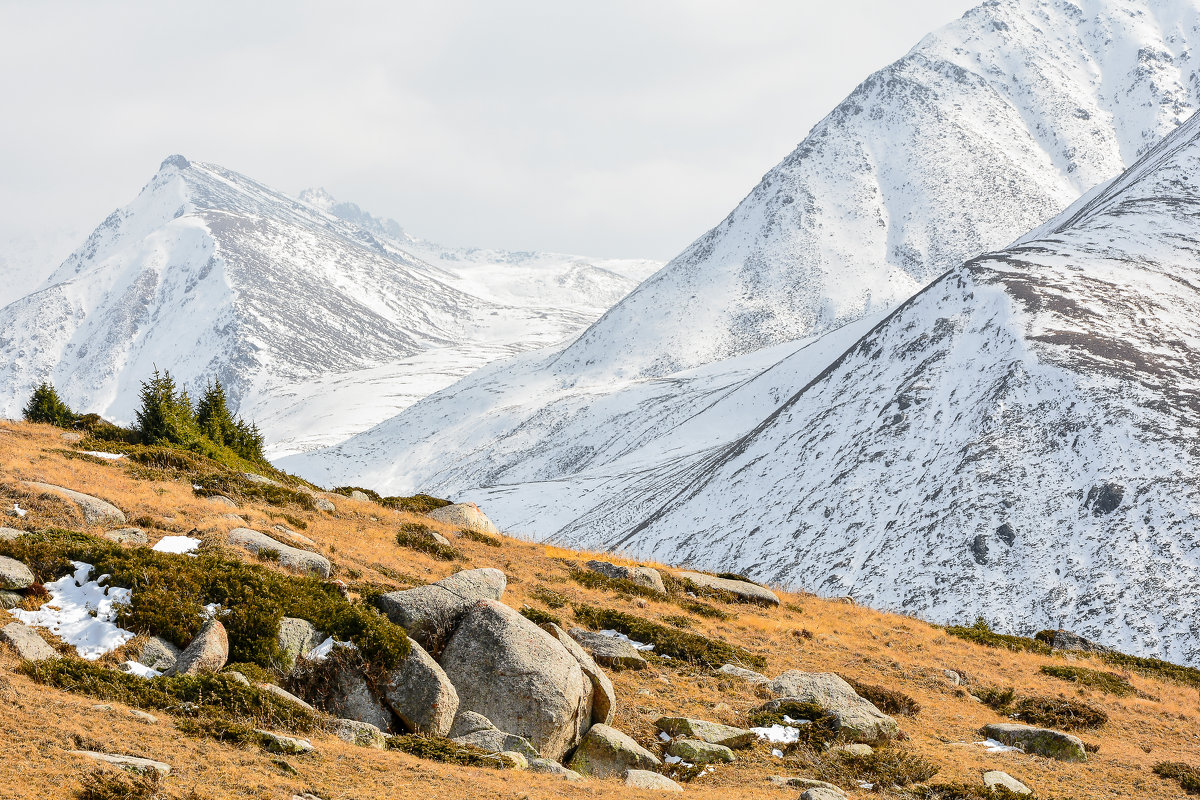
column 496, row 741
column 95, row 511
column 464, row 515
column 437, row 537
column 10, row 600
column 284, row 694
column 102, row 707
column 363, row 734
column 605, row 752
column 142, row 716
column 260, row 479
column 361, row 497
column 14, row 574
column 284, row 530
column 856, row 749
column 421, row 694
column 297, row 637
column 746, row 592
column 608, row 651
column 823, row 793
column 71, row 437
column 954, row 677
column 645, row 779
column 8, row 534
column 127, row 536
column 711, row 732
column 748, row 675
column 208, row 652
column 695, row 751
column 288, row 556
column 132, row 763
column 287, row 745
column 1003, row 779
column 1039, row 741
column 26, row 642
column 642, row 576
column 222, row 500
column 545, row 766
column 515, row 760
column 237, row 521
column 159, row 654
column 469, row 722
column 323, row 503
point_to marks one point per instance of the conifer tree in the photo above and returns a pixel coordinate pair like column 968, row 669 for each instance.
column 166, row 414
column 213, row 417
column 46, row 406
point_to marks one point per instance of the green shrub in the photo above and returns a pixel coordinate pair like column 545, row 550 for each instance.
column 887, row 767
column 416, row 536
column 1109, row 682
column 622, row 586
column 47, row 407
column 100, row 429
column 689, row 647
column 964, row 791
column 982, row 633
column 820, row 731
column 220, row 427
column 237, row 487
column 436, row 748
column 219, row 729
column 215, row 694
column 482, row 538
column 346, row 491
column 1154, row 667
column 678, row 621
column 1055, row 712
column 417, row 504
column 1186, row 775
column 684, row 587
column 702, row 609
column 538, row 616
column 889, row 701
column 550, row 597
column 103, row 784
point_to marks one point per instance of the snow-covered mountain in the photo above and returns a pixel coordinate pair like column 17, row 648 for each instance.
column 984, row 130
column 319, row 327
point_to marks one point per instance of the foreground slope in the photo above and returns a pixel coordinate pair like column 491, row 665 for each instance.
column 43, row 726
column 986, row 129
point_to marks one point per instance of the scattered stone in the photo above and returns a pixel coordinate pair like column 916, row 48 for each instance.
column 288, row 556
column 363, row 734
column 127, row 536
column 1003, row 779
column 515, row 760
column 519, row 677
column 608, row 651
column 545, row 766
column 429, row 613
column 421, row 694
column 286, row 745
column 284, row 694
column 642, row 576
column 255, row 478
column 695, row 751
column 9, row 600
column 954, row 677
column 323, row 503
column 142, row 716
column 711, row 732
column 222, row 500
column 437, row 537
column 297, row 637
column 14, row 574
column 71, row 437
column 823, row 793
column 102, row 707
column 1039, row 741
column 464, row 515
column 857, row 720
column 1065, row 640
column 208, row 652
column 645, row 779
column 8, row 534
column 361, row 497
column 238, row 521
column 805, row 783
column 604, row 697
column 605, row 752
column 95, row 511
column 748, row 675
column 855, row 749
column 26, row 642
column 497, row 741
column 131, row 763
column 746, row 592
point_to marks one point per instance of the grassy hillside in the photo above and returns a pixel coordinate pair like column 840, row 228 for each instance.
column 1150, row 719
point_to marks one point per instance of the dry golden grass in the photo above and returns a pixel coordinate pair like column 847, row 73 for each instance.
column 37, row 725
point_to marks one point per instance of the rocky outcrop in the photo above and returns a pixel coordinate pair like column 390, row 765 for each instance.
column 464, row 515
column 642, row 576
column 430, row 613
column 711, row 732
column 519, row 677
column 1066, row 640
column 208, row 652
column 746, row 592
column 14, row 575
column 645, row 779
column 421, row 694
column 857, row 719
column 26, row 642
column 495, row 740
column 290, row 557
column 604, row 697
column 95, row 511
column 605, row 752
column 337, row 686
column 607, row 651
column 1039, row 741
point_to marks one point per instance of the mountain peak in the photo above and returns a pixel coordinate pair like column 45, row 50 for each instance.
column 177, row 161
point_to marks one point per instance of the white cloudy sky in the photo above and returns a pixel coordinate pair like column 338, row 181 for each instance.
column 607, row 128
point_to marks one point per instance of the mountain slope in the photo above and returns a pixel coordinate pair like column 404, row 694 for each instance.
column 211, row 274
column 986, row 129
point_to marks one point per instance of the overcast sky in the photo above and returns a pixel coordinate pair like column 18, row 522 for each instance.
column 601, row 128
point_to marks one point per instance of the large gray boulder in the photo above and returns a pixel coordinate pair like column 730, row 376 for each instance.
column 746, row 592
column 208, row 652
column 519, row 677
column 421, row 694
column 1039, row 741
column 608, row 651
column 14, row 574
column 823, row 793
column 296, row 638
column 337, row 686
column 857, row 720
column 290, row 557
column 430, row 613
column 95, row 511
column 131, row 763
column 645, row 779
column 605, row 752
column 1066, row 640
column 604, row 698
column 642, row 576
column 464, row 515
column 159, row 654
column 26, row 642
column 711, row 732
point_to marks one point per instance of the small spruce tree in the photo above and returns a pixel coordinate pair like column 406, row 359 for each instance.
column 213, row 417
column 166, row 415
column 46, row 406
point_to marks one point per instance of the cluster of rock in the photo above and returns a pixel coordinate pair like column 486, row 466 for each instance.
column 15, row 578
